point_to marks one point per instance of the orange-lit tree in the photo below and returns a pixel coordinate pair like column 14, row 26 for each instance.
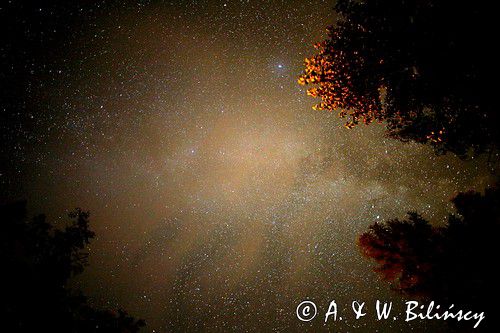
column 420, row 66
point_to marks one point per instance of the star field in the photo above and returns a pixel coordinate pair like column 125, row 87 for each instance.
column 220, row 199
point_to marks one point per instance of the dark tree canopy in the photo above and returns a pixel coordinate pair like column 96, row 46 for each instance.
column 38, row 261
column 422, row 66
column 453, row 264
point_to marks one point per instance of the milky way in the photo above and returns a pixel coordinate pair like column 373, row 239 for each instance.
column 220, row 199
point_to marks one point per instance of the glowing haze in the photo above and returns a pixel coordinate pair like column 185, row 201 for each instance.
column 219, row 197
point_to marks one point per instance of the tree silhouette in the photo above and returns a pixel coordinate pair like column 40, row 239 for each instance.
column 451, row 264
column 38, row 261
column 423, row 67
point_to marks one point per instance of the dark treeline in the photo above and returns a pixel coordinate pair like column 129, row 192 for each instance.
column 38, row 261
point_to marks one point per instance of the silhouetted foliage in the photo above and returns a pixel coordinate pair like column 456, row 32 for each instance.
column 452, row 264
column 38, row 261
column 423, row 67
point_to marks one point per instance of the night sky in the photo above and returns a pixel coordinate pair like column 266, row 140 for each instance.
column 220, row 199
